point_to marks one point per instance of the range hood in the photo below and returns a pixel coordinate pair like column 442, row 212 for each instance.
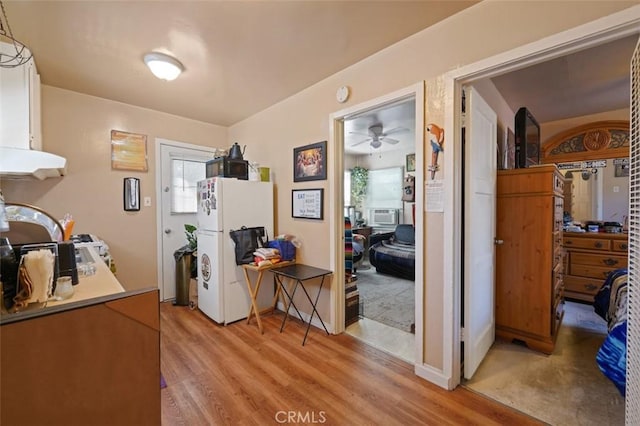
column 17, row 163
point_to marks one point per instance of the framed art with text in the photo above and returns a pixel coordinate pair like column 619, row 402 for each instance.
column 307, row 203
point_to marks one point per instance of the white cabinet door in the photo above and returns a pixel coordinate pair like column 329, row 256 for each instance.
column 20, row 105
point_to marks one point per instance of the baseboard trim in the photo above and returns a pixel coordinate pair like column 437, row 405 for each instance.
column 316, row 322
column 433, row 375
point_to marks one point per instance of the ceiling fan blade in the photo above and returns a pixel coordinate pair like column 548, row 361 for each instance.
column 396, row 130
column 361, row 134
column 389, row 140
column 362, row 141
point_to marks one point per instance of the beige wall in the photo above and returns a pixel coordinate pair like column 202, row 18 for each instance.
column 78, row 127
column 551, row 128
column 474, row 34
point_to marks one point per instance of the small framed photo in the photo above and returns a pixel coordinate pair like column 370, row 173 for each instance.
column 307, row 203
column 310, row 162
column 621, row 170
column 411, row 162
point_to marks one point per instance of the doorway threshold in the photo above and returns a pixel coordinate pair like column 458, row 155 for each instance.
column 391, row 340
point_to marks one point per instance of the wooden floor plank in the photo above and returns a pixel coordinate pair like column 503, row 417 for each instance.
column 234, row 375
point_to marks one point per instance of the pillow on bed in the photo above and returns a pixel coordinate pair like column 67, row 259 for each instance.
column 405, row 234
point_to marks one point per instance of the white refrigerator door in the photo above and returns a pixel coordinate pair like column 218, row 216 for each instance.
column 210, row 288
column 242, row 203
column 208, row 214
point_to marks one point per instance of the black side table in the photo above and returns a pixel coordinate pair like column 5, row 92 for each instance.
column 299, row 273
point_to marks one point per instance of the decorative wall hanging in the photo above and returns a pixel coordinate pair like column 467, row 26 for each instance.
column 436, row 138
column 307, row 203
column 411, row 162
column 128, row 151
column 310, row 162
column 593, row 141
column 408, row 189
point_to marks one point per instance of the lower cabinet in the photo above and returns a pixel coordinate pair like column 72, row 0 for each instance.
column 89, row 363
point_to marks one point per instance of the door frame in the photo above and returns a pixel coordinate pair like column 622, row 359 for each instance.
column 609, row 28
column 159, row 142
column 336, row 201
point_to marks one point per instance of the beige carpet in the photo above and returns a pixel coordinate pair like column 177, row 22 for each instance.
column 564, row 388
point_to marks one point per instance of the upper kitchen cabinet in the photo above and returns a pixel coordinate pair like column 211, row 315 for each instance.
column 20, row 105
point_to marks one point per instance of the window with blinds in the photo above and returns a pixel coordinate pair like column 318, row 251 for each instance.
column 185, row 175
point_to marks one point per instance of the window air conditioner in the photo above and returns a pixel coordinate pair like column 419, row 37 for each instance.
column 383, row 216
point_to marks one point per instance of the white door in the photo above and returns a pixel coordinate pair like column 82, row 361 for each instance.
column 180, row 169
column 479, row 230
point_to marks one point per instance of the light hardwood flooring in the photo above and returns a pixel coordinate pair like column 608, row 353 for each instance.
column 234, row 375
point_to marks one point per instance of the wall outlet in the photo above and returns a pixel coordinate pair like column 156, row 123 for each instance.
column 616, row 189
column 147, row 201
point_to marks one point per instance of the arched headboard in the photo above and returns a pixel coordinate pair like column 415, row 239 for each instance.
column 593, row 141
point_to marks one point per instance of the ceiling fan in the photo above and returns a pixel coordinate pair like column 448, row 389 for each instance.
column 376, row 135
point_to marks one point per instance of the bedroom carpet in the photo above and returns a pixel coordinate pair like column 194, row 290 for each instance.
column 564, row 388
column 388, row 300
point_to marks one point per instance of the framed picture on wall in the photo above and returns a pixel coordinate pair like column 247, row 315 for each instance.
column 510, row 151
column 307, row 203
column 411, row 162
column 310, row 162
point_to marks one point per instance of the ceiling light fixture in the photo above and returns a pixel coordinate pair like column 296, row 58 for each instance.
column 163, row 66
column 16, row 53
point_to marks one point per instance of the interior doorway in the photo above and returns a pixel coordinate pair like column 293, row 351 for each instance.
column 372, row 129
column 590, row 35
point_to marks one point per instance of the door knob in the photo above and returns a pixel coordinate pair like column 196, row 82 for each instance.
column 166, row 189
column 498, row 242
column 167, row 231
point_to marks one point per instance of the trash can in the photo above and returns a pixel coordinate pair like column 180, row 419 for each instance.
column 184, row 258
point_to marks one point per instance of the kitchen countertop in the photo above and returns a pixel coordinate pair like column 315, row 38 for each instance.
column 91, row 289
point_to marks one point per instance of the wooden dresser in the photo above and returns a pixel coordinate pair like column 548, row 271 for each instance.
column 529, row 256
column 590, row 258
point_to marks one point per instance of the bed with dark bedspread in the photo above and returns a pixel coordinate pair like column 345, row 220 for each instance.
column 611, row 304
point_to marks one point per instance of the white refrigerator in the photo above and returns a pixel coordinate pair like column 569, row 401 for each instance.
column 225, row 204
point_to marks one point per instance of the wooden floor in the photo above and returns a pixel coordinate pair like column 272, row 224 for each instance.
column 233, row 375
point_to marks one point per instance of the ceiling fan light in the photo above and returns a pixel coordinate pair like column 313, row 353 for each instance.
column 376, row 143
column 163, row 66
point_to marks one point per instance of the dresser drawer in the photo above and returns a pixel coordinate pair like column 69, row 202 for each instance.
column 588, row 286
column 607, row 260
column 557, row 313
column 620, row 245
column 587, row 243
column 589, row 271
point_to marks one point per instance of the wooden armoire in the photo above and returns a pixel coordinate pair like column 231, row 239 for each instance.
column 529, row 256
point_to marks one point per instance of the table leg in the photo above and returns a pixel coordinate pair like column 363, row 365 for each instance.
column 254, row 294
column 313, row 310
column 290, row 297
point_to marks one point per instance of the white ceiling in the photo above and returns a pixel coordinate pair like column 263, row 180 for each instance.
column 583, row 83
column 240, row 56
column 588, row 82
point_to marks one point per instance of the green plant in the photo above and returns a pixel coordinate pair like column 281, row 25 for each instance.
column 192, row 237
column 359, row 180
column 192, row 244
